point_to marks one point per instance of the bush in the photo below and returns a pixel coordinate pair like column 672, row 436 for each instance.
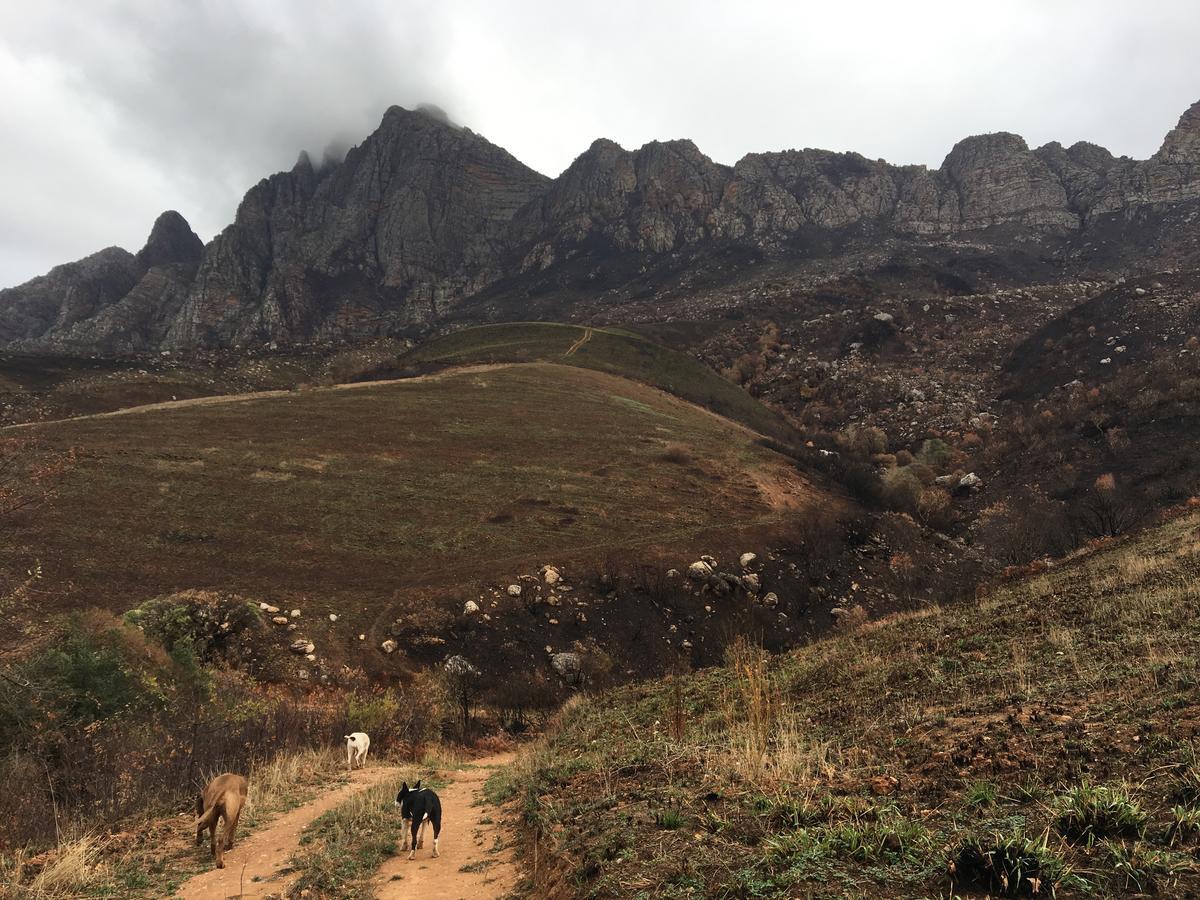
column 935, row 453
column 219, row 627
column 1087, row 812
column 1010, row 865
column 102, row 724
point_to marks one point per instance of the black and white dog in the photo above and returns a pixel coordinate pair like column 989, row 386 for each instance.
column 417, row 806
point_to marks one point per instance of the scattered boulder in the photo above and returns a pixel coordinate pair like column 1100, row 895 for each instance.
column 568, row 667
column 551, row 575
column 302, row 645
column 514, row 590
column 333, row 617
column 770, row 600
column 751, row 583
column 700, row 570
column 746, row 559
column 280, row 620
column 711, row 560
column 946, row 480
column 388, row 646
column 295, row 613
column 884, row 317
column 970, row 481
column 460, row 665
column 470, row 608
column 268, row 608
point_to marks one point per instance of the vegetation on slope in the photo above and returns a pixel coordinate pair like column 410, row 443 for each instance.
column 378, row 501
column 612, row 350
column 1041, row 741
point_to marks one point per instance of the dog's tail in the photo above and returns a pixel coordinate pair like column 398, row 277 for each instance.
column 209, row 818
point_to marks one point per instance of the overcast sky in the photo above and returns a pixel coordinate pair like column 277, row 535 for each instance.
column 114, row 110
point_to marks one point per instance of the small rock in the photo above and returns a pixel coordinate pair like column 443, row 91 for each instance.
column 700, row 571
column 302, row 645
column 460, row 665
column 970, row 480
column 295, row 613
column 750, row 583
column 568, row 666
column 884, row 317
column 333, row 617
column 362, row 637
column 770, row 600
column 388, row 646
column 280, row 620
column 551, row 575
column 746, row 559
column 470, row 608
column 268, row 608
column 514, row 590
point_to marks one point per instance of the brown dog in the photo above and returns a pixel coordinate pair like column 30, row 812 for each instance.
column 222, row 799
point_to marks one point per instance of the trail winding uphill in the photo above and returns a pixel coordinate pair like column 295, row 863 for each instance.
column 476, row 853
column 475, row 862
column 256, row 866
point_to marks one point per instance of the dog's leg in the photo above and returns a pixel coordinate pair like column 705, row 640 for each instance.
column 413, row 851
column 215, row 845
column 421, row 835
column 437, row 831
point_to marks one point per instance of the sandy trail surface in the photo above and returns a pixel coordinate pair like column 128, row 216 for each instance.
column 476, row 851
column 256, row 865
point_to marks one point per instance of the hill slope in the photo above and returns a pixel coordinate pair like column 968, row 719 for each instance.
column 390, row 505
column 1042, row 740
column 611, row 350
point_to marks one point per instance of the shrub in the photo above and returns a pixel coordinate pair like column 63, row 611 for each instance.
column 935, row 453
column 678, row 454
column 218, row 627
column 866, row 440
column 1011, row 865
column 1087, row 812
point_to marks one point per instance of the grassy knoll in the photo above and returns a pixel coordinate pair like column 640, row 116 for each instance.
column 360, row 500
column 612, row 350
column 1040, row 742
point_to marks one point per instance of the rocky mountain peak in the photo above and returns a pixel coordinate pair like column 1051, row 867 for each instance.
column 982, row 150
column 171, row 241
column 1182, row 143
column 423, row 216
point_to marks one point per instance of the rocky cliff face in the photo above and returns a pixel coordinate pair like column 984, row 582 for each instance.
column 423, row 215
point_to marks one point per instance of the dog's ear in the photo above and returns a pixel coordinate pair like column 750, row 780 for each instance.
column 417, row 786
column 404, row 789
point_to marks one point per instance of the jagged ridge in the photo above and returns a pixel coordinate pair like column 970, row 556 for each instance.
column 423, row 215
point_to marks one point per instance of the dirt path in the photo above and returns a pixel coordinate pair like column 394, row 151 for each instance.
column 587, row 336
column 220, row 399
column 476, row 853
column 252, row 867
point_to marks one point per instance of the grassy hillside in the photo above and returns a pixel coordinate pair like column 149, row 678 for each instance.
column 612, row 350
column 1041, row 741
column 377, row 501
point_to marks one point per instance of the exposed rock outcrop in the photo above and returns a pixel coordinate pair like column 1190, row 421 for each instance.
column 423, row 215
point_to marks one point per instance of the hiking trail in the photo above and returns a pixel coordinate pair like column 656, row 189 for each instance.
column 475, row 862
column 476, row 853
column 257, row 866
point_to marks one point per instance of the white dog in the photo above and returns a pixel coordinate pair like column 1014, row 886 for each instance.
column 357, row 745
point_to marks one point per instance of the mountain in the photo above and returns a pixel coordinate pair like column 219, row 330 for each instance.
column 424, row 216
